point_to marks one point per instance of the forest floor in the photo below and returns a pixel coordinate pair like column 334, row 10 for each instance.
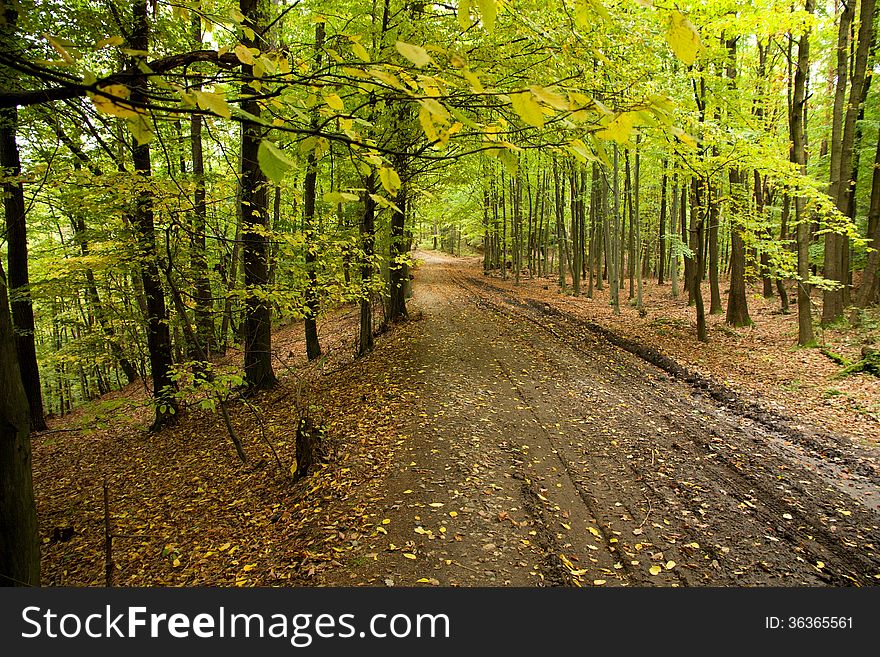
column 498, row 438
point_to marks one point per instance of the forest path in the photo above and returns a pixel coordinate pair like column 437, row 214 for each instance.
column 536, row 453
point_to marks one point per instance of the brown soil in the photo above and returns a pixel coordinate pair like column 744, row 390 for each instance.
column 537, row 453
column 502, row 437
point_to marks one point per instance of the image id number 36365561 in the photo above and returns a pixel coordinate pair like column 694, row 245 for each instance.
column 808, row 622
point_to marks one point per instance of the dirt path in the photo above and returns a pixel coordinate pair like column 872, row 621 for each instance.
column 536, row 453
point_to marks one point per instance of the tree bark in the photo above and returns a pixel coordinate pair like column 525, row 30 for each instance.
column 204, row 302
column 368, row 226
column 17, row 254
column 254, row 221
column 799, row 157
column 870, row 286
column 661, row 260
column 158, row 334
column 19, row 540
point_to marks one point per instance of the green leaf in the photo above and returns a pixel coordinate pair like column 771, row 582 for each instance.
column 683, row 38
column 213, row 103
column 416, row 54
column 488, row 11
column 528, row 109
column 273, row 161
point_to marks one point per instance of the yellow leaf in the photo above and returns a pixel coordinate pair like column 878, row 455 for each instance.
column 109, row 105
column 464, row 13
column 409, row 555
column 453, row 514
column 528, row 109
column 56, row 44
column 820, row 565
column 598, row 582
column 109, row 41
column 416, row 54
column 683, row 38
column 224, row 547
column 488, row 11
column 391, row 182
column 175, row 563
column 360, row 51
column 670, row 565
column 213, row 102
column 619, row 129
column 594, row 531
column 249, row 567
column 436, row 505
column 334, row 102
column 655, row 570
column 473, row 80
column 407, row 491
column 386, row 521
column 245, row 55
column 551, row 98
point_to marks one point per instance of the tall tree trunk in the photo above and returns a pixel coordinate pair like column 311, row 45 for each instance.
column 737, row 302
column 700, row 189
column 19, row 540
column 16, row 234
column 560, row 220
column 673, row 250
column 17, row 253
column 204, row 302
column 399, row 246
column 832, row 299
column 368, row 221
column 637, row 222
column 313, row 346
column 613, row 251
column 799, row 157
column 661, row 260
column 868, row 291
column 158, row 334
column 254, row 219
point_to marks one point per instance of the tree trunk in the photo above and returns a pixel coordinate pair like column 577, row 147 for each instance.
column 368, row 221
column 799, row 157
column 313, row 346
column 158, row 334
column 19, row 540
column 17, row 253
column 254, row 220
column 737, row 302
column 868, row 291
column 700, row 188
column 204, row 302
column 399, row 249
column 661, row 260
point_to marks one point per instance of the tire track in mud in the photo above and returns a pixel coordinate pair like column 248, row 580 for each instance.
column 830, row 561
